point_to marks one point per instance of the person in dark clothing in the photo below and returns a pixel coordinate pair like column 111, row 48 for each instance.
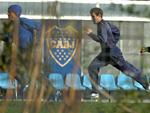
column 145, row 49
column 108, row 36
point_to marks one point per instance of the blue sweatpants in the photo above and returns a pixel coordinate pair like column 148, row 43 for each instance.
column 117, row 61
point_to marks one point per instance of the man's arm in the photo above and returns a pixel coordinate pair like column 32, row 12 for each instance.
column 90, row 33
column 34, row 25
column 5, row 37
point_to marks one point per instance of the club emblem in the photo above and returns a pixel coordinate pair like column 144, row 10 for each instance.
column 62, row 44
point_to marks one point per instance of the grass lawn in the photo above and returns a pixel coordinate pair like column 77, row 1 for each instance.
column 130, row 103
column 75, row 107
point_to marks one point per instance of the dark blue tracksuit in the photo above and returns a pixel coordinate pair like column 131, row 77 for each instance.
column 148, row 49
column 108, row 36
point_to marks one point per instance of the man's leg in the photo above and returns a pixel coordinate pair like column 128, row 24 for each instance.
column 23, row 76
column 93, row 70
column 131, row 71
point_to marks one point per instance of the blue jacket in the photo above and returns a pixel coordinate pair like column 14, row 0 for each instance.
column 107, row 35
column 26, row 33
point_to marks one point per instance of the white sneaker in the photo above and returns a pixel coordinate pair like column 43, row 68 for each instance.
column 91, row 96
column 94, row 95
column 148, row 89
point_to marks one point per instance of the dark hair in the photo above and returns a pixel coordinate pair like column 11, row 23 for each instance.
column 97, row 11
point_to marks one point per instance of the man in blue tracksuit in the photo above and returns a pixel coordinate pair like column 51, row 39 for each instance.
column 108, row 36
column 25, row 42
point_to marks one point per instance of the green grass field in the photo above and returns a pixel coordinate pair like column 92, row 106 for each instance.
column 76, row 107
column 133, row 102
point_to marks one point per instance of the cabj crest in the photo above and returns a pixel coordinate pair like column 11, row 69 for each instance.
column 62, row 44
